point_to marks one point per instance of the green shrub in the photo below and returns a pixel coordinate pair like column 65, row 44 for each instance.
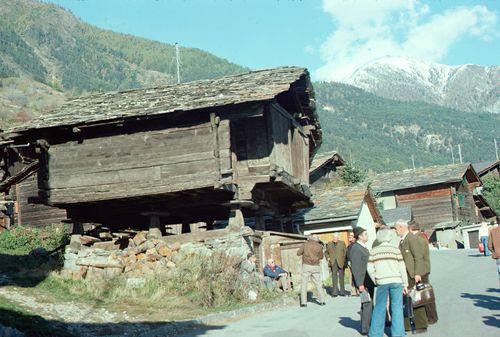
column 22, row 240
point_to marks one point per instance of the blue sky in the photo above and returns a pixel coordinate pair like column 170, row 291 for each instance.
column 330, row 37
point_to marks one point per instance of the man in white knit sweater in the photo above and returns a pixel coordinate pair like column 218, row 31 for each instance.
column 388, row 271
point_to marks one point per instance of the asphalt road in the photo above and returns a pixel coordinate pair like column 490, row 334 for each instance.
column 467, row 297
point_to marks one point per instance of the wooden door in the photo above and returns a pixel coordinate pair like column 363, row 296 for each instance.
column 473, row 239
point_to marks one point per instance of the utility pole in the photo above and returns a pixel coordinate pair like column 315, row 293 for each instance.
column 413, row 161
column 452, row 155
column 460, row 153
column 496, row 147
column 178, row 62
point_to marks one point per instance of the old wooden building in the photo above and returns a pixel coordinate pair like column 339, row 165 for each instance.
column 325, row 171
column 339, row 210
column 437, row 194
column 180, row 154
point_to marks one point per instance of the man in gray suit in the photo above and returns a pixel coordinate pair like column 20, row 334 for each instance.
column 358, row 255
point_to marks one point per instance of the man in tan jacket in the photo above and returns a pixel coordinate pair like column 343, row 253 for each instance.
column 336, row 253
column 494, row 246
column 416, row 267
column 312, row 253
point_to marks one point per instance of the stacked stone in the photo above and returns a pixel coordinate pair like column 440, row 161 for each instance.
column 144, row 254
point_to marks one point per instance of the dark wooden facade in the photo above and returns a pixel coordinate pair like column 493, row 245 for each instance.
column 449, row 195
column 201, row 151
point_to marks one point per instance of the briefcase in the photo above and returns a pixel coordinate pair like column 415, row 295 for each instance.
column 422, row 294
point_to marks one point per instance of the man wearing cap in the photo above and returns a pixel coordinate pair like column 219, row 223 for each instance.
column 416, row 267
column 312, row 253
column 359, row 255
column 336, row 253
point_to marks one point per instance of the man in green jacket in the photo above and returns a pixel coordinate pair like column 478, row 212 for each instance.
column 336, row 254
column 418, row 270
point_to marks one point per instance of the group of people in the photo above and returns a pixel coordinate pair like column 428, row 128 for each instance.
column 273, row 276
column 397, row 262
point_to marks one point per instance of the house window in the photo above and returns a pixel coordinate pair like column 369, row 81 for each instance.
column 461, row 200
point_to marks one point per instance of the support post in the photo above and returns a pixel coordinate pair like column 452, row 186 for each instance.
column 236, row 219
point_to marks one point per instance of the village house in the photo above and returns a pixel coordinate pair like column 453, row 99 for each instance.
column 324, row 170
column 339, row 210
column 174, row 155
column 436, row 195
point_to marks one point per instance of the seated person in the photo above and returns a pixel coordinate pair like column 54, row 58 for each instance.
column 278, row 275
column 248, row 270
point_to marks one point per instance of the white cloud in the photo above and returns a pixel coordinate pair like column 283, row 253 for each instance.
column 370, row 29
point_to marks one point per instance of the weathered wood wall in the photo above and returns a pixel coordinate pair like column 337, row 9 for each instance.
column 138, row 164
column 430, row 204
column 290, row 145
column 34, row 215
column 468, row 210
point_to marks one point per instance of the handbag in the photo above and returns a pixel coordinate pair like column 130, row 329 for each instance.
column 480, row 246
column 421, row 294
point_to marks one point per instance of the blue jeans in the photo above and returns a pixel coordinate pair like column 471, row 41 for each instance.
column 484, row 240
column 395, row 292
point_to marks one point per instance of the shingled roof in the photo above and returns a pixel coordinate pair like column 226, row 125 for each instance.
column 485, row 166
column 322, row 159
column 432, row 175
column 340, row 202
column 254, row 86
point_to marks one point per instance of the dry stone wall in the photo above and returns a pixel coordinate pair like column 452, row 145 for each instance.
column 146, row 253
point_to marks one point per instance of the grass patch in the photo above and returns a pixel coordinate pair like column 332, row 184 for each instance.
column 198, row 285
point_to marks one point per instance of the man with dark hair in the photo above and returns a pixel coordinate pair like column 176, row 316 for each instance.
column 359, row 255
column 312, row 253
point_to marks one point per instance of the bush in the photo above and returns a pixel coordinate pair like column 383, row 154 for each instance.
column 22, row 240
column 351, row 174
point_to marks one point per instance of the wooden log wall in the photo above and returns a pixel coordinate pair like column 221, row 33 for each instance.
column 430, row 204
column 34, row 215
column 290, row 149
column 468, row 211
column 251, row 153
column 138, row 164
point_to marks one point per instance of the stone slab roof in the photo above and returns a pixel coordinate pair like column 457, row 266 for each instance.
column 339, row 202
column 254, row 86
column 398, row 180
column 485, row 166
column 323, row 158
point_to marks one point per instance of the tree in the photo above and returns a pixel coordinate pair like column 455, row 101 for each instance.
column 351, row 174
column 491, row 192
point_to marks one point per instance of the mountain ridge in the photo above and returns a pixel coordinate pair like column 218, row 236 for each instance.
column 467, row 87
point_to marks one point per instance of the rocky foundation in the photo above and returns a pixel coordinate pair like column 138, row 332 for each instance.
column 145, row 253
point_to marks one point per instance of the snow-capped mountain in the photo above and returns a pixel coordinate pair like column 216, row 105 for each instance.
column 466, row 87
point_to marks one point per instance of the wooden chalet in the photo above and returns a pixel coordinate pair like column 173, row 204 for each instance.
column 437, row 194
column 339, row 210
column 325, row 166
column 179, row 154
column 487, row 169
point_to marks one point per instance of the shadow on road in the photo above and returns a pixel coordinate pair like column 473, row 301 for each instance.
column 29, row 270
column 37, row 326
column 348, row 322
column 487, row 302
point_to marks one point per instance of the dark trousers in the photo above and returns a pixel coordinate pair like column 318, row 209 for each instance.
column 366, row 310
column 337, row 273
column 420, row 315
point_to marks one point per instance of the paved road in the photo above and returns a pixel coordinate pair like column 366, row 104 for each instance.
column 468, row 302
